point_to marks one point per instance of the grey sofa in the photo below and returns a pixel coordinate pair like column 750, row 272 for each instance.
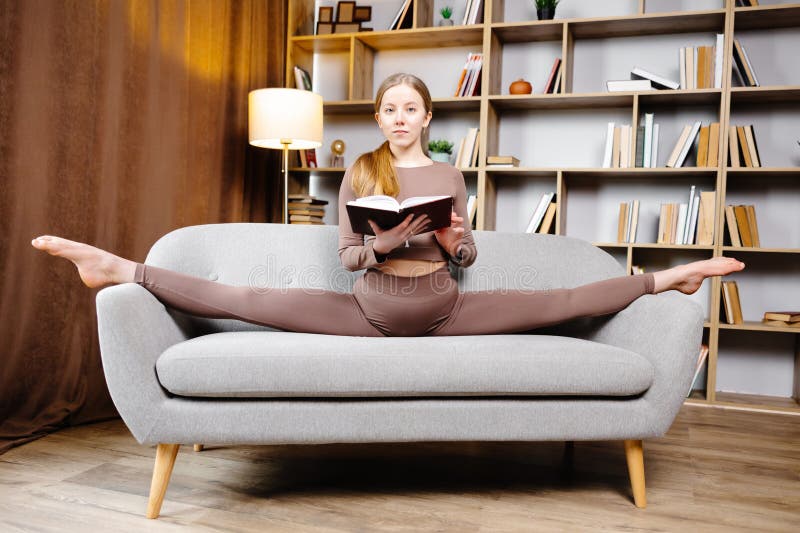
column 178, row 379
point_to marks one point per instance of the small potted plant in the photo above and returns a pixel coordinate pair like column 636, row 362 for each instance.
column 440, row 150
column 546, row 9
column 446, row 12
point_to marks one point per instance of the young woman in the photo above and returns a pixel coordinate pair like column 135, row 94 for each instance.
column 407, row 289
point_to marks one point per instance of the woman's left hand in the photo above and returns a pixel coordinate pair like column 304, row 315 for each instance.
column 450, row 237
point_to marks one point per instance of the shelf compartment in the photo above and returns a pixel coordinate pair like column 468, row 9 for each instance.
column 470, row 35
column 765, row 95
column 766, row 17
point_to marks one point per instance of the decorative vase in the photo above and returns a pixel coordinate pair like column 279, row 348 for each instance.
column 446, row 22
column 546, row 13
column 520, row 87
column 443, row 157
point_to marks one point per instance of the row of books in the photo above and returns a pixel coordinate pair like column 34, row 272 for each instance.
column 543, row 215
column 701, row 359
column 467, row 154
column 742, row 147
column 732, row 308
column 742, row 225
column 404, row 18
column 306, row 209
column 706, row 136
column 618, row 145
column 689, row 223
column 469, row 82
column 554, row 80
column 701, row 67
column 306, row 158
column 742, row 67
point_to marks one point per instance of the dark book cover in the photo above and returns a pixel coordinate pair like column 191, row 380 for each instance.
column 438, row 212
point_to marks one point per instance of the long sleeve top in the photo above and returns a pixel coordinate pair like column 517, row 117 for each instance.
column 430, row 180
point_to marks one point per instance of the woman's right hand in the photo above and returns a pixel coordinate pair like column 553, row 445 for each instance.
column 388, row 240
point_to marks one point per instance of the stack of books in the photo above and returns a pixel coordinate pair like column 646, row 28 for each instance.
column 641, row 80
column 689, row 223
column 707, row 149
column 786, row 319
column 501, row 161
column 701, row 359
column 701, row 67
column 467, row 154
column 742, row 225
column 743, row 147
column 628, row 221
column 542, row 219
column 469, row 82
column 306, row 209
column 731, row 303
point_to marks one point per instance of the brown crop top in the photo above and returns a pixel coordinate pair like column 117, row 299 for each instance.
column 429, row 180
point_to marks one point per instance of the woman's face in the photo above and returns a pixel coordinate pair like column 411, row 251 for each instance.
column 402, row 116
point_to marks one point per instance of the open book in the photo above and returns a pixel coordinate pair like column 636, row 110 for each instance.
column 387, row 212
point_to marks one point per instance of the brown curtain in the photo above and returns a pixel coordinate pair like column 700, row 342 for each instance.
column 119, row 122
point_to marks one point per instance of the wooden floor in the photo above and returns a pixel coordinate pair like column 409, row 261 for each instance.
column 716, row 470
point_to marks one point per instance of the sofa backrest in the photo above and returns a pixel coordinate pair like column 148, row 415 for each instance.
column 285, row 255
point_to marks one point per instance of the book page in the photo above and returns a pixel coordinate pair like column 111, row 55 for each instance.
column 377, row 201
column 417, row 200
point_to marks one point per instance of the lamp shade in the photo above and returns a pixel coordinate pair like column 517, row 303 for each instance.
column 281, row 117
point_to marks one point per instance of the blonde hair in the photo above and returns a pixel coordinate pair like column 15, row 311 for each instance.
column 373, row 172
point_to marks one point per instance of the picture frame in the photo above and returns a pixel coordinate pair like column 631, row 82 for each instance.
column 324, row 28
column 345, row 10
column 362, row 14
column 347, row 27
column 325, row 14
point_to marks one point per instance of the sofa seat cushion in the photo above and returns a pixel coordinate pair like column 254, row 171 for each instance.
column 261, row 364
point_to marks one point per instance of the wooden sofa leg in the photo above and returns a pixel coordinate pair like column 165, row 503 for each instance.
column 198, row 447
column 635, row 457
column 165, row 460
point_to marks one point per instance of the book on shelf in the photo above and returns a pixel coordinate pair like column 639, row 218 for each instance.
column 305, row 218
column 473, row 12
column 467, row 154
column 470, row 77
column 387, row 212
column 786, row 319
column 625, row 146
column 472, row 209
column 302, row 79
column 404, row 17
column 550, row 86
column 700, row 67
column 628, row 221
column 731, row 303
column 307, row 158
column 684, row 144
column 502, row 161
column 742, row 66
column 305, row 199
column 688, row 223
column 742, row 226
column 742, row 147
column 539, row 212
column 701, row 359
column 659, row 82
column 629, row 85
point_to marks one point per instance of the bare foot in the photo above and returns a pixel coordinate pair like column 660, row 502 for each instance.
column 688, row 278
column 96, row 267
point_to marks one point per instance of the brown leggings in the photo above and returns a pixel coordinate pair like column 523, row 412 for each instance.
column 385, row 305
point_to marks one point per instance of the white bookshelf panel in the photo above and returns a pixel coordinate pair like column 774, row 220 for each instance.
column 775, row 128
column 518, row 11
column 592, row 211
column 531, row 61
column 330, row 75
column 756, row 362
column 561, row 138
column 772, row 54
column 777, row 207
column 599, row 60
column 517, row 198
column 439, row 68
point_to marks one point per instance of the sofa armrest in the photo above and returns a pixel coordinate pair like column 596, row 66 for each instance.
column 134, row 328
column 667, row 329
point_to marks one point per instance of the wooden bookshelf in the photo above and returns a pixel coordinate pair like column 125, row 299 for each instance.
column 503, row 29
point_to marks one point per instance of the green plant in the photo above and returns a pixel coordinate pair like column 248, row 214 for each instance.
column 446, row 12
column 542, row 4
column 441, row 146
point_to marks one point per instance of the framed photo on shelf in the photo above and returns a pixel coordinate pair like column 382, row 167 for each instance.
column 325, row 14
column 324, row 28
column 362, row 14
column 347, row 27
column 345, row 11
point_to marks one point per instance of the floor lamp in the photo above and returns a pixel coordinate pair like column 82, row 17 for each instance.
column 285, row 119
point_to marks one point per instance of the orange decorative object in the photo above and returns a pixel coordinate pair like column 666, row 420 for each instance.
column 520, row 87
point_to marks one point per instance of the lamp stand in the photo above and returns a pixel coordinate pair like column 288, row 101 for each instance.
column 286, row 143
